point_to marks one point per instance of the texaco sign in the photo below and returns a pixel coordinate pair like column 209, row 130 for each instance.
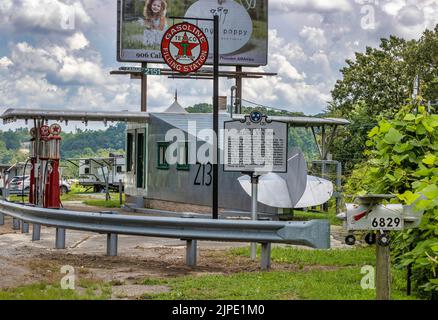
column 184, row 47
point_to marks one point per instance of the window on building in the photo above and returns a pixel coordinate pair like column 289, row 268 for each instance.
column 129, row 150
column 87, row 170
column 162, row 148
column 183, row 156
column 119, row 169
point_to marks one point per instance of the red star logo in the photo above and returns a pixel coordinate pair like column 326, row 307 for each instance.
column 185, row 47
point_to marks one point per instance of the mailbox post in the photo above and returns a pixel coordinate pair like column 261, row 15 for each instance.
column 369, row 214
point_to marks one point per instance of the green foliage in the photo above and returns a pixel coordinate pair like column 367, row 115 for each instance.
column 378, row 82
column 10, row 145
column 83, row 143
column 403, row 159
column 200, row 108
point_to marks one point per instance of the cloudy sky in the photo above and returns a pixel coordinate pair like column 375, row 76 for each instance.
column 45, row 64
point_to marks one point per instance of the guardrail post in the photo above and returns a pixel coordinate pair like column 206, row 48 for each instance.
column 191, row 252
column 266, row 256
column 36, row 232
column 24, row 227
column 15, row 224
column 112, row 240
column 60, row 238
column 2, row 219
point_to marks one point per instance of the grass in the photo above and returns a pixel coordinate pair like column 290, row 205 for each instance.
column 112, row 203
column 358, row 256
column 342, row 284
column 320, row 275
column 79, row 194
column 331, row 216
column 333, row 275
column 43, row 291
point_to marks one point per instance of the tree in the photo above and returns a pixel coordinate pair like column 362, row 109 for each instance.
column 377, row 83
column 12, row 140
column 403, row 160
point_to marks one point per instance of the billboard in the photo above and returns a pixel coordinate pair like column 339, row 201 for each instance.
column 243, row 28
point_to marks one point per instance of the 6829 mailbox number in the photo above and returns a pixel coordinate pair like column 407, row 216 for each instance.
column 386, row 223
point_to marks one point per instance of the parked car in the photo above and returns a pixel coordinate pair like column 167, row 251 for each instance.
column 21, row 185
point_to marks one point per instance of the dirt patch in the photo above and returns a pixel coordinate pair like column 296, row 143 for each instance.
column 124, row 270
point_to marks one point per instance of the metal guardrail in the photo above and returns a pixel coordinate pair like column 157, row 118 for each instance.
column 315, row 233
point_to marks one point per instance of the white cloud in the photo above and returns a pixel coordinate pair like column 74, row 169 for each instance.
column 77, row 41
column 314, row 37
column 410, row 15
column 81, row 70
column 5, row 62
column 33, row 91
column 286, row 6
column 58, row 62
column 28, row 58
column 49, row 15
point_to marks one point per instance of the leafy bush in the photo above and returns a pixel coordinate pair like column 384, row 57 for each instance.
column 403, row 158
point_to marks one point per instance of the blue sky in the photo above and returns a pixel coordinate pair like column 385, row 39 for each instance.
column 43, row 65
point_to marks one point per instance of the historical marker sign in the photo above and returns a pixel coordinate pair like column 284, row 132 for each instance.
column 255, row 144
column 184, row 47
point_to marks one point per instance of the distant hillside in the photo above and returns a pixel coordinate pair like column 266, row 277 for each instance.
column 91, row 143
column 82, row 143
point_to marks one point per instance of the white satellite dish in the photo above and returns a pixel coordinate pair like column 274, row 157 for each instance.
column 274, row 192
column 318, row 191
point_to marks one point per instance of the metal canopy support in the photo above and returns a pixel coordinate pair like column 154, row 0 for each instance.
column 324, row 146
column 36, row 229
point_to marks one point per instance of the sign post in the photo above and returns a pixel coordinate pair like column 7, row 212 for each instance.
column 254, row 216
column 255, row 146
column 216, row 118
column 185, row 49
column 383, row 272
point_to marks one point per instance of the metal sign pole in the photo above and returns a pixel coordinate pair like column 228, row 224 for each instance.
column 216, row 118
column 254, row 216
column 144, row 88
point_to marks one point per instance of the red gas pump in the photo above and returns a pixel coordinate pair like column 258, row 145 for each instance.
column 53, row 155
